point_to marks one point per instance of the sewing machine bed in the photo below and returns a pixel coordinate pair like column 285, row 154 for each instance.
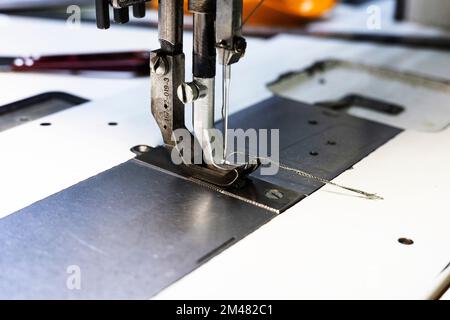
column 133, row 230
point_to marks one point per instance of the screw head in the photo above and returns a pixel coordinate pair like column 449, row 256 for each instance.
column 159, row 65
column 140, row 149
column 240, row 45
column 274, row 194
column 188, row 92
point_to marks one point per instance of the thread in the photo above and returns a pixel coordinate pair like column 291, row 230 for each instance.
column 367, row 195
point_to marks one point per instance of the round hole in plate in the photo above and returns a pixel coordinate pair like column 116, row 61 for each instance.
column 314, row 153
column 112, row 124
column 46, row 124
column 313, row 122
column 331, row 142
column 406, row 241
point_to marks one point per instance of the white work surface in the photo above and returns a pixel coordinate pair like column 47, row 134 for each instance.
column 330, row 245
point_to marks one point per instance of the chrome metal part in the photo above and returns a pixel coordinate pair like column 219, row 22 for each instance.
column 168, row 70
column 231, row 45
column 251, row 190
column 226, row 88
column 121, row 11
column 316, row 140
column 167, row 109
column 130, row 231
column 170, row 25
column 126, row 3
column 203, row 112
column 188, row 92
column 135, row 229
column 217, row 27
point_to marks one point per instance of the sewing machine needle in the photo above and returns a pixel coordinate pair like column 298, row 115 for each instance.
column 226, row 84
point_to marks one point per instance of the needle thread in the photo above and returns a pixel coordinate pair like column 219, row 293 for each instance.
column 226, row 87
column 367, row 195
column 253, row 12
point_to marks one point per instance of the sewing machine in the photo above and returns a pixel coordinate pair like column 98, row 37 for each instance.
column 136, row 226
column 217, row 26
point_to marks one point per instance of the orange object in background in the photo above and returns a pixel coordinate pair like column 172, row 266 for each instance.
column 283, row 12
column 286, row 12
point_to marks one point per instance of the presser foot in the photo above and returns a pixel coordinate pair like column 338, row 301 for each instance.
column 222, row 175
column 235, row 182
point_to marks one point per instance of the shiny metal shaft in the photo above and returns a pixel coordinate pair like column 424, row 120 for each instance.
column 203, row 113
column 170, row 25
column 226, row 87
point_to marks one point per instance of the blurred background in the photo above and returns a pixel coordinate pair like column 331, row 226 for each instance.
column 287, row 14
column 410, row 23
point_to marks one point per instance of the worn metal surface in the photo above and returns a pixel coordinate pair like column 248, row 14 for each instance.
column 231, row 44
column 424, row 100
column 134, row 230
column 313, row 139
column 131, row 230
column 203, row 112
column 251, row 190
column 33, row 108
column 168, row 70
column 167, row 109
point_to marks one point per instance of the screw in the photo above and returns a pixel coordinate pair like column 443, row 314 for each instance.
column 406, row 241
column 274, row 194
column 240, row 45
column 159, row 65
column 143, row 148
column 188, row 92
column 140, row 149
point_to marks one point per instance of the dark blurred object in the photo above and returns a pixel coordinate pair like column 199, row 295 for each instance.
column 6, row 5
column 400, row 10
column 430, row 42
column 429, row 12
column 121, row 12
column 136, row 62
